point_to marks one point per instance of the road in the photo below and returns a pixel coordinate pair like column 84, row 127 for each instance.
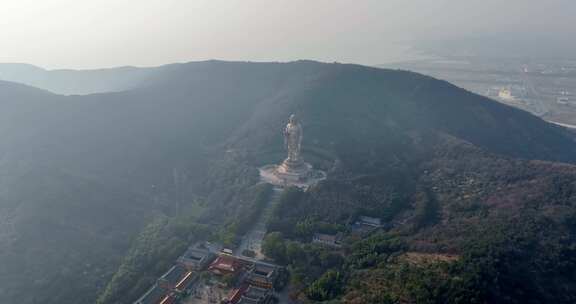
column 563, row 124
column 253, row 239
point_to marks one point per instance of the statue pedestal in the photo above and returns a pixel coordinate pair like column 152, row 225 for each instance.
column 290, row 173
column 293, row 171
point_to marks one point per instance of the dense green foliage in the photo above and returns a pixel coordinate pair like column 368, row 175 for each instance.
column 274, row 246
column 486, row 230
column 505, row 263
column 327, row 287
column 250, row 209
column 308, row 264
column 44, row 214
column 152, row 254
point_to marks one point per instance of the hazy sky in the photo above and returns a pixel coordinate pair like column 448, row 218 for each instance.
column 103, row 33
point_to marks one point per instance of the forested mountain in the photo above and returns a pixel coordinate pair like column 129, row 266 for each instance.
column 438, row 164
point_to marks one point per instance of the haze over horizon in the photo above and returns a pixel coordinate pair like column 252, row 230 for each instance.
column 108, row 33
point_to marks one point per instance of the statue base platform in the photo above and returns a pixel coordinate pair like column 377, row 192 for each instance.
column 297, row 174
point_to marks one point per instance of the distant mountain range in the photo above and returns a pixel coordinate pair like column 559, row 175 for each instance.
column 81, row 175
column 70, row 82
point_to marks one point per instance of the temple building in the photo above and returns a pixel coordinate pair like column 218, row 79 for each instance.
column 154, row 295
column 178, row 278
column 196, row 259
column 256, row 295
column 225, row 265
column 332, row 240
column 262, row 275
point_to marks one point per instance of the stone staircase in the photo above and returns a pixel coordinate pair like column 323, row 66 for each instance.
column 253, row 239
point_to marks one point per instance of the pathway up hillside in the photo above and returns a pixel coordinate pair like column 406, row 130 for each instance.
column 253, row 239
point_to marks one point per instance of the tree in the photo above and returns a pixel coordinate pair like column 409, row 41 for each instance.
column 327, row 287
column 274, row 247
column 230, row 279
column 294, row 253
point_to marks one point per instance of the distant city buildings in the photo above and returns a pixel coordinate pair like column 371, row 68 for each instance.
column 505, row 94
column 535, row 85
